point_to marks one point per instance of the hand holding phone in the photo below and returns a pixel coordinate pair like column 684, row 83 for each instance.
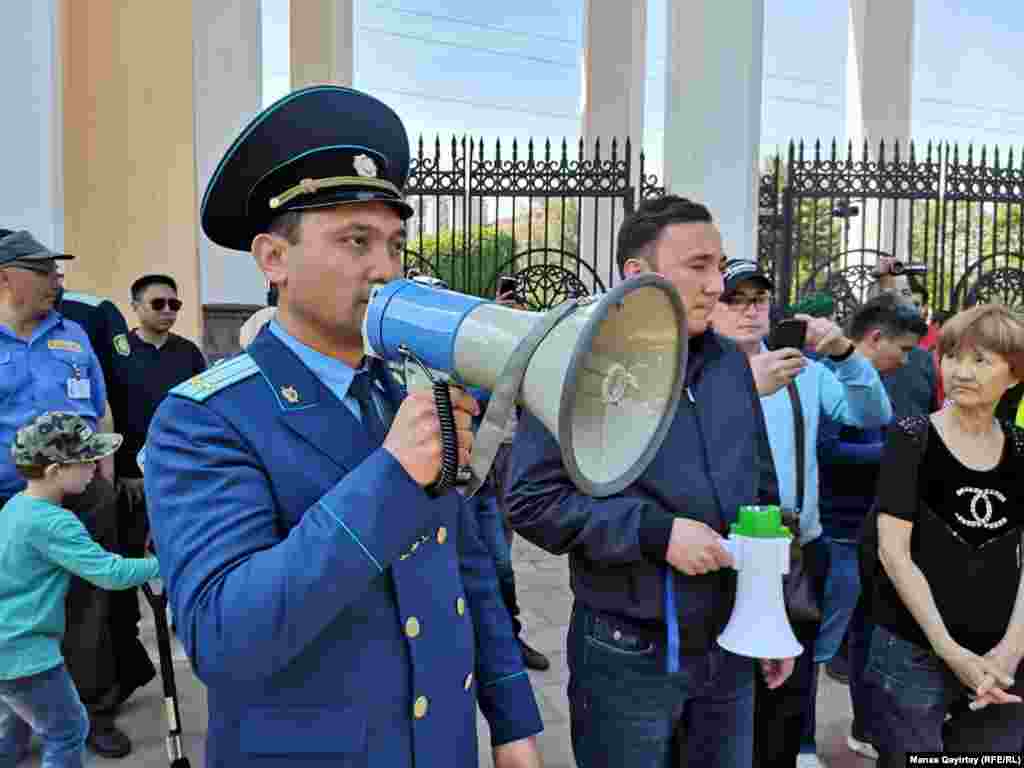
column 791, row 333
column 508, row 290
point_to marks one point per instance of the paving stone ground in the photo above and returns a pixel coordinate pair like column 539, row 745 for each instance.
column 543, row 585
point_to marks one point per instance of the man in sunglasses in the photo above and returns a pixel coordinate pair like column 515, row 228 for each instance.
column 157, row 361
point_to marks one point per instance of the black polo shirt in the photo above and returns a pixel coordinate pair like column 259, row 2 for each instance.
column 144, row 377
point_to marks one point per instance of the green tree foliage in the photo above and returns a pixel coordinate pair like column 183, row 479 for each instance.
column 970, row 232
column 552, row 224
column 467, row 262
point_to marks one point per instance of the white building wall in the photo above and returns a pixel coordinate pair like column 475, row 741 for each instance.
column 228, row 84
column 31, row 154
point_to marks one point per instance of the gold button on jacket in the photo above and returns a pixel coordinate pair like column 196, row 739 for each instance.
column 419, row 709
column 412, row 627
column 442, row 535
column 469, row 681
column 460, row 606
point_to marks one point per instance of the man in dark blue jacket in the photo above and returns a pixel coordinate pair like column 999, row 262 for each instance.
column 649, row 686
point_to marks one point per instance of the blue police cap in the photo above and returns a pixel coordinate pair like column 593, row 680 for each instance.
column 317, row 147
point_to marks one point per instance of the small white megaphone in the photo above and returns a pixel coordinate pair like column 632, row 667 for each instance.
column 604, row 373
column 759, row 628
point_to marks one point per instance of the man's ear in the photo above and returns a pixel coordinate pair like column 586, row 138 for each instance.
column 635, row 266
column 271, row 254
column 51, row 471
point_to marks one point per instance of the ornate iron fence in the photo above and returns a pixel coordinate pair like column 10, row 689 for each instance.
column 828, row 213
column 546, row 214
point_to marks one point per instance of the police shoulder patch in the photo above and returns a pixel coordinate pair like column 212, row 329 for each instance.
column 121, row 345
column 217, row 378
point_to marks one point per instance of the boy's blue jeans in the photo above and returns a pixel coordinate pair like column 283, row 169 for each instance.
column 48, row 704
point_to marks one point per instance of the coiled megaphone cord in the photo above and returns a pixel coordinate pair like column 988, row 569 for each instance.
column 449, row 438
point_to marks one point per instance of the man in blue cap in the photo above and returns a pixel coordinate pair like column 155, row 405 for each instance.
column 338, row 613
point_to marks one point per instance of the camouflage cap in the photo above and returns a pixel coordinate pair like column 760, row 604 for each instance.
column 61, row 438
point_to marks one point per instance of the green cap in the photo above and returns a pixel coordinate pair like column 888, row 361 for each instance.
column 760, row 523
column 60, row 437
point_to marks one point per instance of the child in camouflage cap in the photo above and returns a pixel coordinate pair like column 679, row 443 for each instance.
column 41, row 545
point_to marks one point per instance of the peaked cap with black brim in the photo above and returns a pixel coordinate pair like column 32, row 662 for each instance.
column 317, row 147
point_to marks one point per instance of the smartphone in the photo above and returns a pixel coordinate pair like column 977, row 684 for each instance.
column 508, row 285
column 788, row 333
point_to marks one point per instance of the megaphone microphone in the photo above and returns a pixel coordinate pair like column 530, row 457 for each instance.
column 603, row 373
column 759, row 544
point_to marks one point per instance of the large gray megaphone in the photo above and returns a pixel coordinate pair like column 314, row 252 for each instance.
column 604, row 373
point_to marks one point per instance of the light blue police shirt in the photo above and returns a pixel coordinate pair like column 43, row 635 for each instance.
column 34, row 377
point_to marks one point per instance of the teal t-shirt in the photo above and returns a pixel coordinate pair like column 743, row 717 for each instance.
column 41, row 545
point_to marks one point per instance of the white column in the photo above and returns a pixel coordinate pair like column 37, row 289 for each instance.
column 322, row 42
column 879, row 78
column 31, row 153
column 228, row 86
column 713, row 112
column 614, row 74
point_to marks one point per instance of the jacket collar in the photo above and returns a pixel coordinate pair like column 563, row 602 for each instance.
column 306, row 406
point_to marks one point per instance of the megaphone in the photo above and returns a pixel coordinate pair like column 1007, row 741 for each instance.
column 604, row 374
column 759, row 544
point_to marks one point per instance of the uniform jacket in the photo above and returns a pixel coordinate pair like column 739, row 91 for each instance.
column 338, row 615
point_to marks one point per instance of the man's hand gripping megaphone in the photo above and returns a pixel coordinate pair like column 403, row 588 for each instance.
column 416, row 438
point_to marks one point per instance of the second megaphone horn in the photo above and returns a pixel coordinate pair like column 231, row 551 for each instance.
column 604, row 373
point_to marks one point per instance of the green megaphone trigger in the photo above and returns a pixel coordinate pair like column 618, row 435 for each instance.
column 760, row 522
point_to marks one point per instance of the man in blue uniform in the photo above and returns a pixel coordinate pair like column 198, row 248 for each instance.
column 48, row 364
column 338, row 613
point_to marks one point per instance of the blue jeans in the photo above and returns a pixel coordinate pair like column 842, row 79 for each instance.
column 842, row 589
column 911, row 691
column 626, row 710
column 48, row 704
column 861, row 630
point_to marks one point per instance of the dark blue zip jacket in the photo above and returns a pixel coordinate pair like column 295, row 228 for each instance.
column 714, row 459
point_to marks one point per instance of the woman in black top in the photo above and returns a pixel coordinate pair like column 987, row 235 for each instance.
column 947, row 598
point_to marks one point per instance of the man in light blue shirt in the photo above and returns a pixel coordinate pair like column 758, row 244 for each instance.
column 46, row 361
column 843, row 386
column 48, row 364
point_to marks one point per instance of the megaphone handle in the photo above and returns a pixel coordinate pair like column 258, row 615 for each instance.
column 449, row 441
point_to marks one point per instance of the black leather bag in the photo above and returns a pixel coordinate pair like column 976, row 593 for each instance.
column 803, row 603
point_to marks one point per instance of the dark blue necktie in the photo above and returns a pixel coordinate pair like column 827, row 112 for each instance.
column 361, row 390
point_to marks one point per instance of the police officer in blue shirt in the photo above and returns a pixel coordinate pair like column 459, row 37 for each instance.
column 46, row 361
column 338, row 613
column 48, row 364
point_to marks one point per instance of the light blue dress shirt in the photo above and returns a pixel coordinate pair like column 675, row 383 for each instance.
column 34, row 376
column 850, row 393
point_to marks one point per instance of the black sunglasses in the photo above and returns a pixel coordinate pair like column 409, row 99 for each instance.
column 158, row 304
